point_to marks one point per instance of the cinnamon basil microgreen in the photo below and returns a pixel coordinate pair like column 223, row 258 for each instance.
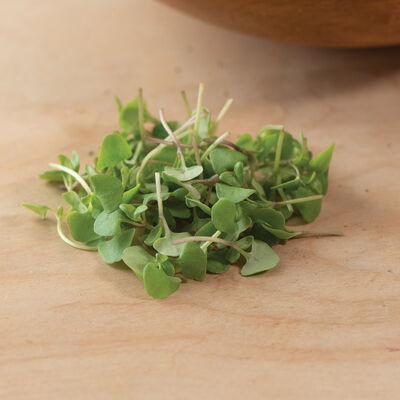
column 174, row 200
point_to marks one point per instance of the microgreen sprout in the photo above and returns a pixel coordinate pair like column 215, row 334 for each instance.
column 174, row 200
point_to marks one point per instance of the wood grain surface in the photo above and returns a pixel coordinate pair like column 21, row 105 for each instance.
column 331, row 23
column 325, row 324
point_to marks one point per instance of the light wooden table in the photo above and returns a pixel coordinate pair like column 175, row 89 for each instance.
column 324, row 325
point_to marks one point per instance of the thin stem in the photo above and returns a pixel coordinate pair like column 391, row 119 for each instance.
column 211, row 239
column 70, row 242
column 186, row 101
column 299, row 200
column 199, row 109
column 209, row 181
column 196, row 150
column 230, row 144
column 180, row 133
column 224, row 109
column 135, row 157
column 141, row 115
column 157, row 140
column 206, row 244
column 278, row 150
column 160, row 204
column 174, row 139
column 73, row 174
column 304, row 234
column 214, row 144
column 160, row 162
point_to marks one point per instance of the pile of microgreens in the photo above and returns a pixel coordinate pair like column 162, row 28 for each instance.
column 175, row 200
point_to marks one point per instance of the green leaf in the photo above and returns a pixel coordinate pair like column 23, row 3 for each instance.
column 114, row 149
column 178, row 209
column 309, row 210
column 128, row 210
column 223, row 215
column 108, row 224
column 261, row 214
column 52, row 175
column 139, row 211
column 111, row 250
column 235, row 194
column 193, row 261
column 81, row 225
column 136, row 258
column 75, row 161
column 223, row 159
column 190, row 188
column 128, row 196
column 229, row 178
column 160, row 132
column 217, row 266
column 109, row 191
column 239, row 172
column 75, row 201
column 154, row 234
column 207, row 229
column 157, row 283
column 184, row 175
column 196, row 203
column 164, row 245
column 129, row 115
column 262, row 258
column 245, row 242
column 280, row 233
column 246, row 141
column 321, row 162
column 37, row 208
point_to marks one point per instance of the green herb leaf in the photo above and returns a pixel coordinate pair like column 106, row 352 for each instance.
column 111, row 250
column 262, row 258
column 193, row 261
column 157, row 283
column 75, row 201
column 321, row 162
column 136, row 258
column 108, row 224
column 235, row 194
column 223, row 159
column 114, row 149
column 223, row 215
column 310, row 209
column 164, row 245
column 186, row 174
column 37, row 208
column 81, row 226
column 109, row 191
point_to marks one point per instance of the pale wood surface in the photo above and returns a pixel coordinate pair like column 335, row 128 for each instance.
column 325, row 324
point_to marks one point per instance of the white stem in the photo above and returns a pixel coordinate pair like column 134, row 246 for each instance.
column 199, row 108
column 214, row 144
column 225, row 108
column 160, row 204
column 206, row 244
column 141, row 114
column 211, row 239
column 70, row 242
column 179, row 133
column 74, row 174
column 186, row 101
column 174, row 139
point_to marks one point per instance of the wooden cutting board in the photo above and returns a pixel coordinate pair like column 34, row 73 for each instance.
column 325, row 324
